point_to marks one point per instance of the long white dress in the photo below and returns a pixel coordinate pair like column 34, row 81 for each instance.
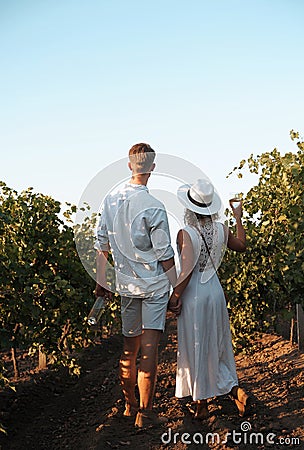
column 205, row 359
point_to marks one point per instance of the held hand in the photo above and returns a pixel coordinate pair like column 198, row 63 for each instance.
column 175, row 306
column 100, row 291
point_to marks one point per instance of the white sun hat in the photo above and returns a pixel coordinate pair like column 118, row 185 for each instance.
column 200, row 197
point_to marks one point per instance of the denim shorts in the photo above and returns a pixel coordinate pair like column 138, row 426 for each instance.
column 138, row 314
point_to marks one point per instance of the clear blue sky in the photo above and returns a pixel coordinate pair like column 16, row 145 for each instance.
column 82, row 81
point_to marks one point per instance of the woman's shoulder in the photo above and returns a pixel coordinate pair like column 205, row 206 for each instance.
column 221, row 226
column 194, row 236
column 192, row 232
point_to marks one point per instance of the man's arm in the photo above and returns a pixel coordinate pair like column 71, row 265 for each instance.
column 169, row 268
column 102, row 247
column 187, row 265
column 101, row 289
column 161, row 241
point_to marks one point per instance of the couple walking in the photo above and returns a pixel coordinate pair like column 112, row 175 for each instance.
column 134, row 227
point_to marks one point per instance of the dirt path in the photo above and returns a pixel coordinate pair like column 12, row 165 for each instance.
column 54, row 412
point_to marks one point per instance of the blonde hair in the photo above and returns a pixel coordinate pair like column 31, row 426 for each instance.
column 141, row 158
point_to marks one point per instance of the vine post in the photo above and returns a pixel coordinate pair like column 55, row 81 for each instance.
column 300, row 327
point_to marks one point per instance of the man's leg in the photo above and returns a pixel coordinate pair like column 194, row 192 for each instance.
column 148, row 367
column 127, row 369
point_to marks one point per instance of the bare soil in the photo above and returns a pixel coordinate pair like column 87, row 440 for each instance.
column 53, row 411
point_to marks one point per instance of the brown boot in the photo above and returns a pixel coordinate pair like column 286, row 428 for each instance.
column 201, row 409
column 240, row 398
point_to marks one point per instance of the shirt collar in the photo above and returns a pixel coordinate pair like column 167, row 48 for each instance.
column 137, row 186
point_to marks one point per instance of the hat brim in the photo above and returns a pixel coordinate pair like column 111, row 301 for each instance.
column 182, row 195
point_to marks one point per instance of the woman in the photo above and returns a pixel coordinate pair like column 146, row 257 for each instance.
column 205, row 360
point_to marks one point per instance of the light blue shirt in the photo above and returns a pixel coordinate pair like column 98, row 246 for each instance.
column 134, row 226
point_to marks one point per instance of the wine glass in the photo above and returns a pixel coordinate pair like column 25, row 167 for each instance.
column 235, row 200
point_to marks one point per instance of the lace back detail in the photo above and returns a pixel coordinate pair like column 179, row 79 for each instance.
column 211, row 234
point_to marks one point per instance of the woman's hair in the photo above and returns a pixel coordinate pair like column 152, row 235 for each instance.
column 194, row 219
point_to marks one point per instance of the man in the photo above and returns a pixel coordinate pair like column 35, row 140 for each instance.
column 134, row 226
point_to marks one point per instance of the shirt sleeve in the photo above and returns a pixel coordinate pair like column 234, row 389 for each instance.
column 102, row 238
column 160, row 235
